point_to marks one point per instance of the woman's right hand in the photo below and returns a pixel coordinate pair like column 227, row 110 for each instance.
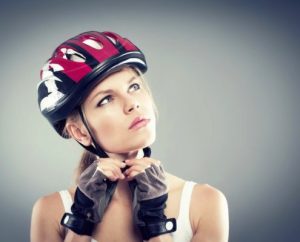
column 98, row 182
column 111, row 168
column 95, row 189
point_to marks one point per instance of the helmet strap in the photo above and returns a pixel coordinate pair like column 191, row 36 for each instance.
column 96, row 149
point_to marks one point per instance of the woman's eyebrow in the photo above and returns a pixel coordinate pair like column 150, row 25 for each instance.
column 132, row 79
column 110, row 90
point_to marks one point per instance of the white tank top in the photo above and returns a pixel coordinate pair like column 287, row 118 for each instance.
column 184, row 231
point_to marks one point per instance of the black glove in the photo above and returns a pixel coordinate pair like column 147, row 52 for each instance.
column 150, row 196
column 92, row 197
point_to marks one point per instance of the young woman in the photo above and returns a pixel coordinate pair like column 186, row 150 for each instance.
column 92, row 90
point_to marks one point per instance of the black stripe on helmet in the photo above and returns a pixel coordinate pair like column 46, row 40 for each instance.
column 91, row 61
column 67, row 83
column 118, row 45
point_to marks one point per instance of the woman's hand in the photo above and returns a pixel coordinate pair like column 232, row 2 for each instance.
column 98, row 182
column 148, row 177
column 95, row 189
column 136, row 166
column 111, row 168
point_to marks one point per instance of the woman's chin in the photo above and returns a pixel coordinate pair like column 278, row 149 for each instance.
column 134, row 145
column 141, row 145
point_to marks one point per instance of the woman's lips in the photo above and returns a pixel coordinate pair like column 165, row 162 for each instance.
column 138, row 123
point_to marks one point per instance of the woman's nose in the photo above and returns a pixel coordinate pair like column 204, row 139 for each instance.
column 131, row 105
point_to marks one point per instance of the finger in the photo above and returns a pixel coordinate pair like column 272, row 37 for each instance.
column 145, row 160
column 116, row 171
column 111, row 170
column 136, row 168
column 133, row 162
column 132, row 175
column 110, row 175
column 118, row 163
column 108, row 166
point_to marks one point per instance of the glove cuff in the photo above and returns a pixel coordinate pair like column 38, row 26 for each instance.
column 78, row 225
column 155, row 229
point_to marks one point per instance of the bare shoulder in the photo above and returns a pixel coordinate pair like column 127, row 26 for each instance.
column 207, row 193
column 49, row 201
column 46, row 214
column 209, row 213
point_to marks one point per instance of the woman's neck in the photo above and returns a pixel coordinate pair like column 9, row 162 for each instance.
column 124, row 156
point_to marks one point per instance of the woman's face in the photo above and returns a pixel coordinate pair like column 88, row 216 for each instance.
column 111, row 108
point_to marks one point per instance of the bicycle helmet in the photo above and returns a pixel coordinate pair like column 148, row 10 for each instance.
column 76, row 66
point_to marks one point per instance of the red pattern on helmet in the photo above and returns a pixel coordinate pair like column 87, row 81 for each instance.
column 101, row 55
column 123, row 41
column 74, row 70
column 77, row 70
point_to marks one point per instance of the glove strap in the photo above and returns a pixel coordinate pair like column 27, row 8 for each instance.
column 151, row 230
column 78, row 225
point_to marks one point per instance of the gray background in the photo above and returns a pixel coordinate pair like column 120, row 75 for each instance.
column 225, row 78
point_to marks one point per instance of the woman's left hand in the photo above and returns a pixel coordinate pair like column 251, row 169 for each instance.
column 149, row 177
column 136, row 166
column 151, row 193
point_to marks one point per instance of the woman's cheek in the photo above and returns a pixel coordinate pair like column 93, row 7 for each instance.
column 109, row 132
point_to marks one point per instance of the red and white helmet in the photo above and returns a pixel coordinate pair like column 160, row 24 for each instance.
column 76, row 66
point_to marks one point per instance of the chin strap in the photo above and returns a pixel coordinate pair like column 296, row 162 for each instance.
column 96, row 149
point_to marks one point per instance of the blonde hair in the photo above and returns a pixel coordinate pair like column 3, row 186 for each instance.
column 87, row 158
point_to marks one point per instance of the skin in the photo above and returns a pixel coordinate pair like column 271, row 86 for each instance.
column 109, row 118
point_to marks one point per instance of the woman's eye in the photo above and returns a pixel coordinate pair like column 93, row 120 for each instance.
column 104, row 100
column 135, row 86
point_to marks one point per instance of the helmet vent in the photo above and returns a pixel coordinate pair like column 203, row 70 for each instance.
column 93, row 43
column 77, row 57
column 72, row 55
column 112, row 39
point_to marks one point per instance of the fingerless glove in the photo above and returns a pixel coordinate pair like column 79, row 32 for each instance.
column 91, row 198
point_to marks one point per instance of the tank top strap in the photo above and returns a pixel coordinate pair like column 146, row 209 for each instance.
column 66, row 200
column 184, row 229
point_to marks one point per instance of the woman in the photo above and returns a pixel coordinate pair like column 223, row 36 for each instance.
column 92, row 90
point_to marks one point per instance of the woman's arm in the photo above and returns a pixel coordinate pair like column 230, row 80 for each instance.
column 45, row 219
column 209, row 213
column 73, row 237
column 162, row 238
column 44, row 226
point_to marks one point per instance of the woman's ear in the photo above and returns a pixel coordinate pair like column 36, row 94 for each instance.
column 79, row 133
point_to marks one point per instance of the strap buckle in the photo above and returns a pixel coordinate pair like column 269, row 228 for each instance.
column 76, row 224
column 152, row 230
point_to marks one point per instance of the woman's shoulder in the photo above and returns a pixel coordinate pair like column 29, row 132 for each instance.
column 206, row 197
column 208, row 209
column 47, row 203
column 201, row 192
column 48, row 207
column 51, row 203
column 207, row 202
column 45, row 219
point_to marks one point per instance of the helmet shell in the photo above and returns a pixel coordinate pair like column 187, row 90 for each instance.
column 76, row 66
